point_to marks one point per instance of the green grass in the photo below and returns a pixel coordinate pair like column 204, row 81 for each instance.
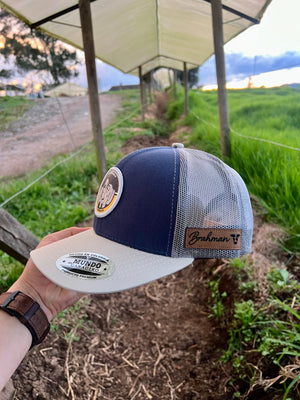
column 10, row 270
column 58, row 200
column 65, row 196
column 12, row 108
column 271, row 172
column 55, row 202
column 263, row 328
column 265, row 335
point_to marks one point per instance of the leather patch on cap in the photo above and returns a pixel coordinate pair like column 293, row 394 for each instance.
column 213, row 238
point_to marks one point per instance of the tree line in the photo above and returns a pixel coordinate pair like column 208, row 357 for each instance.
column 24, row 50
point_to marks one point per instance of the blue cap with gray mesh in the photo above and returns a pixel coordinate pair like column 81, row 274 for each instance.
column 156, row 210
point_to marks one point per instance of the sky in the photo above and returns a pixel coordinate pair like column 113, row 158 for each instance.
column 271, row 45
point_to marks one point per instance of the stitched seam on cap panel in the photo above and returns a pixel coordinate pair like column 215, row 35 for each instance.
column 172, row 203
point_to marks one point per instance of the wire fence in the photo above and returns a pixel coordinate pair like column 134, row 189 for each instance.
column 110, row 128
column 246, row 136
column 120, row 122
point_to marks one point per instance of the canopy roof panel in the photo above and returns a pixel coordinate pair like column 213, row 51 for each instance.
column 151, row 33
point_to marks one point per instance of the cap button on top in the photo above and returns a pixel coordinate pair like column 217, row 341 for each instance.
column 178, row 145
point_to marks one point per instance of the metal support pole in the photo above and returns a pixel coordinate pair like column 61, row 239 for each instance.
column 151, row 86
column 217, row 20
column 89, row 51
column 142, row 93
column 185, row 82
column 175, row 83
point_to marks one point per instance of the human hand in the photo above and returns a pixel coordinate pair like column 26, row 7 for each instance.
column 51, row 297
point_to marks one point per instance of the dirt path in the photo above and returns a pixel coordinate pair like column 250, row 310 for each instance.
column 154, row 342
column 50, row 127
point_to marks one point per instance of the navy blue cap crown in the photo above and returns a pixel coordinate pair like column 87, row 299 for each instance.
column 145, row 215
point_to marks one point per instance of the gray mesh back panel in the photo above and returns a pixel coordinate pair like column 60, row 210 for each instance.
column 213, row 196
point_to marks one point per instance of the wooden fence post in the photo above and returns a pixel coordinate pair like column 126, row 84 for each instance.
column 185, row 82
column 15, row 239
column 217, row 21
column 89, row 51
column 142, row 93
column 175, row 84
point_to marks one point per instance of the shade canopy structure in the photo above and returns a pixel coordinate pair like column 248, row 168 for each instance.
column 138, row 36
column 147, row 33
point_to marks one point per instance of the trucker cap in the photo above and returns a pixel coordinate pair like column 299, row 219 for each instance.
column 156, row 210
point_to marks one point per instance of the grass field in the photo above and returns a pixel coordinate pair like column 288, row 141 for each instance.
column 12, row 108
column 270, row 171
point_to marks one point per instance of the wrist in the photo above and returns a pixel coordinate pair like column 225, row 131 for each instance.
column 28, row 312
column 15, row 341
column 31, row 292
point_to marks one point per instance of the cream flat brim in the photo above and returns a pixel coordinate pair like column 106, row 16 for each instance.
column 131, row 267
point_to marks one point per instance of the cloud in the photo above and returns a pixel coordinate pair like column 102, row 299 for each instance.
column 239, row 66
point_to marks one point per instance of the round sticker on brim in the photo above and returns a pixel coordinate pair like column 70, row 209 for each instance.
column 85, row 265
column 109, row 192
